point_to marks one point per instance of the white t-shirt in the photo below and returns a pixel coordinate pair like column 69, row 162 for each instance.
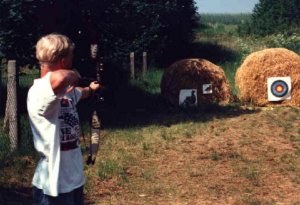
column 55, row 127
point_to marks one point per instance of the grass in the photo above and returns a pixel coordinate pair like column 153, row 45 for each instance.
column 183, row 160
column 154, row 167
column 109, row 168
column 4, row 145
column 150, row 82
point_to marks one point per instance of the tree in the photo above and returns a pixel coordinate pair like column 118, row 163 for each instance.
column 275, row 16
column 17, row 30
column 163, row 28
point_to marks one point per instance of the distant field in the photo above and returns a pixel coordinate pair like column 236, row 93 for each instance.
column 224, row 18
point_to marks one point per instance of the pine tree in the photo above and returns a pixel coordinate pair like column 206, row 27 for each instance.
column 275, row 16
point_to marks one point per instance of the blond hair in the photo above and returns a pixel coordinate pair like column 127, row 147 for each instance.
column 53, row 47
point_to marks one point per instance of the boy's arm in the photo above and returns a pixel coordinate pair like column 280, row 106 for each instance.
column 88, row 91
column 63, row 81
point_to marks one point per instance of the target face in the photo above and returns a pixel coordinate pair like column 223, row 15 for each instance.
column 207, row 89
column 188, row 98
column 279, row 88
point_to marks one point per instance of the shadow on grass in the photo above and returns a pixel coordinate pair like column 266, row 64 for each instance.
column 213, row 52
column 15, row 196
column 131, row 107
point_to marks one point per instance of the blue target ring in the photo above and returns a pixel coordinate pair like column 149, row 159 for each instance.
column 279, row 88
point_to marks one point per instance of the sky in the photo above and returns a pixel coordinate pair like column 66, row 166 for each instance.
column 225, row 6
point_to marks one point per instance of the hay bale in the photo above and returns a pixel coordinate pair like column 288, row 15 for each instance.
column 192, row 74
column 251, row 77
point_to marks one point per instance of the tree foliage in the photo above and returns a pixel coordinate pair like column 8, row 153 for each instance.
column 17, row 25
column 275, row 16
column 163, row 28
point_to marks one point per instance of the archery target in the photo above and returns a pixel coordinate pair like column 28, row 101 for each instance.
column 207, row 89
column 279, row 88
column 188, row 98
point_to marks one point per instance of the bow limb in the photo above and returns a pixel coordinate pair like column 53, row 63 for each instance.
column 95, row 138
column 95, row 121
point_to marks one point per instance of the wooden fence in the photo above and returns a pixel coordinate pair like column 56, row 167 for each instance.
column 132, row 64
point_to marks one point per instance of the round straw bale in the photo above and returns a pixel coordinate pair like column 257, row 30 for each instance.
column 251, row 77
column 192, row 74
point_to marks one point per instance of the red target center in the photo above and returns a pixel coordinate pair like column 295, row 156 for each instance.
column 279, row 88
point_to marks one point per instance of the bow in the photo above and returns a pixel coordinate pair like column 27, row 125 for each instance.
column 95, row 133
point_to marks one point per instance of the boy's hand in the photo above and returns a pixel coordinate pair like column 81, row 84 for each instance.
column 89, row 91
column 95, row 86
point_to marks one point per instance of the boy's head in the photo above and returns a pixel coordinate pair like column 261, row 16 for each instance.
column 53, row 48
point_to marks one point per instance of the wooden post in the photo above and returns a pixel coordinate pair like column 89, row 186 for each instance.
column 1, row 94
column 12, row 106
column 132, row 65
column 144, row 63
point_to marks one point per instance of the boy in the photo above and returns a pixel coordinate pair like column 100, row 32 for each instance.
column 51, row 102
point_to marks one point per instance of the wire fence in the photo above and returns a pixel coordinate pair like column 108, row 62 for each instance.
column 22, row 142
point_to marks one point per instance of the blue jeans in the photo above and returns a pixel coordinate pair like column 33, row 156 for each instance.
column 74, row 197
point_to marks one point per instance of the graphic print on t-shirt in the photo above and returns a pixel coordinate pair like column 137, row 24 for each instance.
column 69, row 125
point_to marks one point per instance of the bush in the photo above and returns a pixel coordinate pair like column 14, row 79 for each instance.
column 271, row 16
column 291, row 42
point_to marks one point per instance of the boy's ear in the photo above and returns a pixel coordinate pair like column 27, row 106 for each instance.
column 63, row 63
column 66, row 62
column 60, row 63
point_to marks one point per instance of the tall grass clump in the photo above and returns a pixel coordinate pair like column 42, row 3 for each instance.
column 230, row 69
column 25, row 144
column 4, row 146
column 26, row 139
column 150, row 82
